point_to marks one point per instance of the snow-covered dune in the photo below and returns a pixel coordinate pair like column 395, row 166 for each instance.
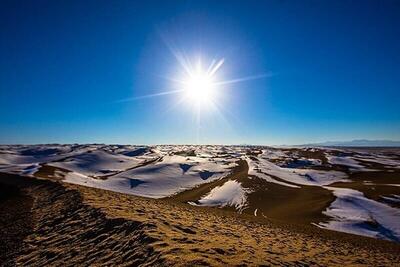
column 358, row 191
column 352, row 212
column 97, row 163
column 173, row 174
column 263, row 168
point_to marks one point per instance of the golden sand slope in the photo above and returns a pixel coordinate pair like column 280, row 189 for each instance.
column 75, row 225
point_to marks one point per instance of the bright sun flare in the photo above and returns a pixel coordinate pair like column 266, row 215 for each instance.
column 199, row 85
column 200, row 88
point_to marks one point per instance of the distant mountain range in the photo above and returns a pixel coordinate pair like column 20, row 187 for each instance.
column 359, row 143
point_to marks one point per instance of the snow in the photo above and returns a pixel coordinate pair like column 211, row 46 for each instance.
column 23, row 169
column 31, row 169
column 164, row 170
column 293, row 175
column 165, row 177
column 388, row 162
column 317, row 177
column 352, row 212
column 316, row 162
column 97, row 163
column 119, row 168
column 22, row 155
column 173, row 174
column 231, row 193
column 120, row 185
column 344, row 161
column 393, row 198
column 255, row 170
column 274, row 154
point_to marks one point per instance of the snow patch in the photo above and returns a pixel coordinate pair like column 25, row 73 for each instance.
column 231, row 193
column 292, row 175
column 348, row 162
column 97, row 163
column 352, row 212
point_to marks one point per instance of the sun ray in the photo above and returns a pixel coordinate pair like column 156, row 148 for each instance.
column 216, row 67
column 244, row 79
column 149, row 96
column 211, row 65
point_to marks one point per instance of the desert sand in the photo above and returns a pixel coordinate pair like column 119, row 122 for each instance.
column 53, row 223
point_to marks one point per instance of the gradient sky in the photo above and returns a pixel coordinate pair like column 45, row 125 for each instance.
column 333, row 71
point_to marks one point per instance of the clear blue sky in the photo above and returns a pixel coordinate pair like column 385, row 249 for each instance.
column 65, row 66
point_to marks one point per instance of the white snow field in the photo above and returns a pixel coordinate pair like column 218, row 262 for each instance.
column 98, row 163
column 173, row 174
column 160, row 172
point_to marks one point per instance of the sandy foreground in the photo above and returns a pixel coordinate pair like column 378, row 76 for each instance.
column 52, row 223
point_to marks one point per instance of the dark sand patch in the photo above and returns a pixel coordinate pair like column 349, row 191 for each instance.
column 68, row 232
column 15, row 222
column 302, row 205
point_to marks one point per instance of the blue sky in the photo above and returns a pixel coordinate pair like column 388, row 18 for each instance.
column 333, row 71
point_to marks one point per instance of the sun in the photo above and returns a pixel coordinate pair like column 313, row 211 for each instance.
column 200, row 87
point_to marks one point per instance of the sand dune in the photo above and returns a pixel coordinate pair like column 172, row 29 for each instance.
column 75, row 225
column 343, row 189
